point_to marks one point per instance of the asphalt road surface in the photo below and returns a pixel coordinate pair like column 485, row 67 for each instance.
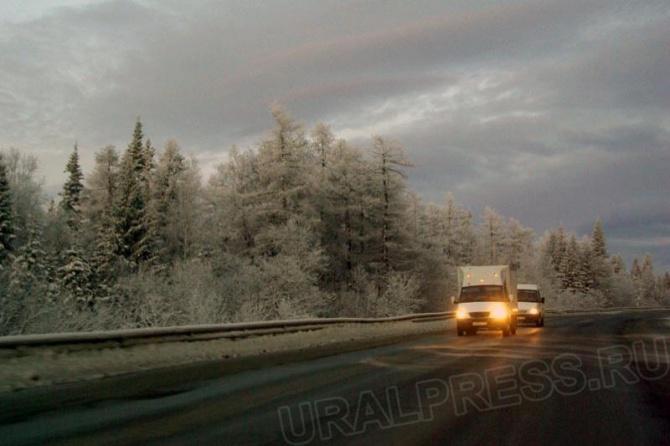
column 583, row 379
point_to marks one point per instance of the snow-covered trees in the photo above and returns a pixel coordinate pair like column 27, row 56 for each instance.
column 71, row 195
column 76, row 279
column 26, row 192
column 101, row 184
column 302, row 224
column 646, row 283
column 6, row 219
column 175, row 204
column 131, row 208
column 598, row 240
column 27, row 289
column 580, row 272
column 283, row 172
column 493, row 236
column 387, row 211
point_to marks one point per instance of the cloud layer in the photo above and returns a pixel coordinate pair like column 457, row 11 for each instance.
column 552, row 111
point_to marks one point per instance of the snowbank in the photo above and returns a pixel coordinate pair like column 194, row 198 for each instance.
column 40, row 366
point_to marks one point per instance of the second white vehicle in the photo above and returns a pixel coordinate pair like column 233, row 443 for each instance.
column 531, row 304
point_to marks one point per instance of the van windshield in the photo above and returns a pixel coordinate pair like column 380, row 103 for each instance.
column 528, row 296
column 483, row 293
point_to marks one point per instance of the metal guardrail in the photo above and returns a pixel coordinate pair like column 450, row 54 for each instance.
column 202, row 332
column 185, row 333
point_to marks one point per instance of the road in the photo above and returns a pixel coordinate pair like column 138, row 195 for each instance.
column 582, row 379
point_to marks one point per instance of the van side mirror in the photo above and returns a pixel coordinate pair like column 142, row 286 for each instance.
column 453, row 300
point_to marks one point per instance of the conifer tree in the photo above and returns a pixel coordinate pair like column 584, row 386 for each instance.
column 76, row 278
column 598, row 244
column 28, row 282
column 6, row 220
column 132, row 225
column 569, row 265
column 585, row 271
column 99, row 205
column 72, row 189
column 559, row 248
column 618, row 265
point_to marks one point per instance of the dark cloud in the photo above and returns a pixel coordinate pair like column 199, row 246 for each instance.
column 552, row 111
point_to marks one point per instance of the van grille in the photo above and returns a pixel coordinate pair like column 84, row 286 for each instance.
column 479, row 314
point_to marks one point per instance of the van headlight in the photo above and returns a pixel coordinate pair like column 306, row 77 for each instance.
column 461, row 314
column 499, row 313
column 533, row 311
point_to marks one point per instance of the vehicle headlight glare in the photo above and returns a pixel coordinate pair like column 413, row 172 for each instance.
column 533, row 311
column 461, row 314
column 499, row 313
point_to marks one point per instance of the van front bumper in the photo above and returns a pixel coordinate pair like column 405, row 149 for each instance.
column 526, row 318
column 481, row 323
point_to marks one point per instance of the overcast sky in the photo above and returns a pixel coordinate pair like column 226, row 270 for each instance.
column 554, row 112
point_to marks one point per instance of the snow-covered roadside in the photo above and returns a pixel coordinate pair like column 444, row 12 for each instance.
column 40, row 366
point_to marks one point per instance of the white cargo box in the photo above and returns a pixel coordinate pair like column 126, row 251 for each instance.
column 499, row 275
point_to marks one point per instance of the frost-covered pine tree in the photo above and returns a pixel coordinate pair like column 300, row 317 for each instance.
column 569, row 265
column 558, row 248
column 76, row 278
column 6, row 220
column 28, row 286
column 598, row 244
column 105, row 264
column 600, row 265
column 131, row 207
column 585, row 274
column 72, row 190
column 100, row 198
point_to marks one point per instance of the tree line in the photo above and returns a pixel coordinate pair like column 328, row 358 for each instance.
column 303, row 224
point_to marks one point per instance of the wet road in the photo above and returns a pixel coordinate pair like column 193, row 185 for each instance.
column 582, row 379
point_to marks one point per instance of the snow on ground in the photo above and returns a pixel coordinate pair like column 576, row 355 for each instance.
column 40, row 366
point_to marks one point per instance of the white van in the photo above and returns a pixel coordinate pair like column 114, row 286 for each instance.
column 531, row 304
column 486, row 300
